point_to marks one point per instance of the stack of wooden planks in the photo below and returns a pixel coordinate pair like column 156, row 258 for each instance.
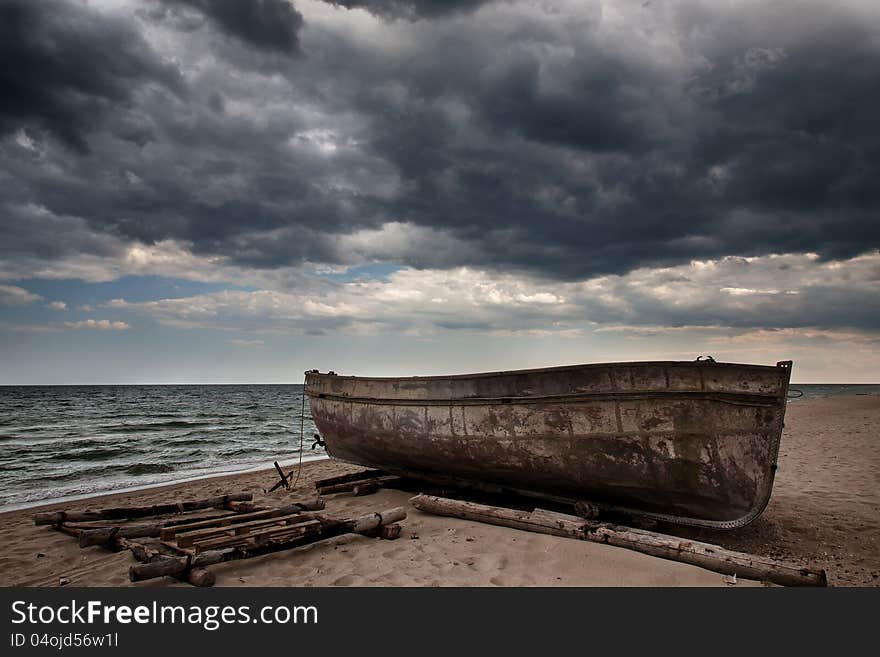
column 184, row 540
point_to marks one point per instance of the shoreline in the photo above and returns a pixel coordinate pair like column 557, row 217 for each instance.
column 824, row 512
column 23, row 506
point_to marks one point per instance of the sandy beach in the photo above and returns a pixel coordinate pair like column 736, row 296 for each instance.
column 825, row 512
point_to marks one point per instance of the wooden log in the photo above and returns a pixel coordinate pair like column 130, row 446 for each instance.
column 139, row 551
column 66, row 529
column 244, row 507
column 196, row 576
column 315, row 504
column 170, row 523
column 201, row 577
column 349, row 478
column 57, row 517
column 106, row 535
column 391, row 532
column 371, row 521
column 704, row 555
column 167, row 567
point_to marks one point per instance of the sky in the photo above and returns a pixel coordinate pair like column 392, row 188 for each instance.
column 231, row 191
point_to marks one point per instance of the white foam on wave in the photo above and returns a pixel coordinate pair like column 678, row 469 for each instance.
column 188, row 476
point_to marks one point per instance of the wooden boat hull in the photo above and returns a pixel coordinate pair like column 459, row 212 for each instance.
column 687, row 442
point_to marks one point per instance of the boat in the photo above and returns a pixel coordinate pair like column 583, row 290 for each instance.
column 687, row 442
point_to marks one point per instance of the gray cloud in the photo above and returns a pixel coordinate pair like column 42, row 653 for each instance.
column 411, row 9
column 70, row 72
column 729, row 296
column 514, row 138
column 266, row 24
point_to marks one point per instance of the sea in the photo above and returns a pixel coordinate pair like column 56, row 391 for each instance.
column 69, row 442
column 61, row 442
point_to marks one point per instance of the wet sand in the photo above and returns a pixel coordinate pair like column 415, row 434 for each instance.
column 825, row 511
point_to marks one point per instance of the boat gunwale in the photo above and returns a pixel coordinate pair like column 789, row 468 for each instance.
column 724, row 397
column 557, row 368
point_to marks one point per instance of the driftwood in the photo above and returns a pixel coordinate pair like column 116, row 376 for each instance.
column 390, row 532
column 327, row 528
column 70, row 531
column 201, row 577
column 139, row 551
column 243, row 507
column 106, row 535
column 180, row 568
column 704, row 555
column 370, row 521
column 144, row 554
column 57, row 517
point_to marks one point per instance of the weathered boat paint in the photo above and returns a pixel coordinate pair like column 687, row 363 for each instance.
column 688, row 442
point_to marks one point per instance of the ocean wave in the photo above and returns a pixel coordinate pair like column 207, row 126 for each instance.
column 238, row 452
column 85, row 474
column 148, row 468
column 153, row 426
column 98, row 454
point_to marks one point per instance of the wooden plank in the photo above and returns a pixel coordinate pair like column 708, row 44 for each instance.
column 168, row 533
column 187, row 539
column 361, row 487
column 176, row 549
column 349, row 478
column 218, row 542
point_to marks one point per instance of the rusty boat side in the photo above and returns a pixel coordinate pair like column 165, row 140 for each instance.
column 688, row 442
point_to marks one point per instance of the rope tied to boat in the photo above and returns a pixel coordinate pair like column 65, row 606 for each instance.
column 302, row 421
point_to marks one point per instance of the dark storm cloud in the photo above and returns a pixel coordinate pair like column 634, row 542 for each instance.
column 411, row 9
column 70, row 71
column 517, row 139
column 265, row 24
